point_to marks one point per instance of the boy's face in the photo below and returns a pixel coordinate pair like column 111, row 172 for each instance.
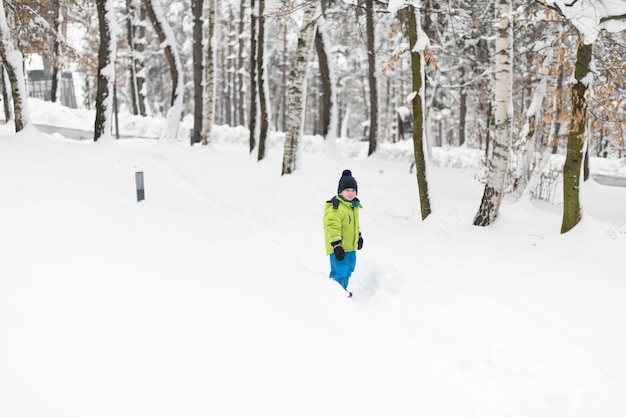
column 348, row 194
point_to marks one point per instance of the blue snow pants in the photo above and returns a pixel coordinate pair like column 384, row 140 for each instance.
column 341, row 271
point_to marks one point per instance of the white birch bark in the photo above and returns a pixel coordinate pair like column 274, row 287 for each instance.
column 174, row 113
column 13, row 60
column 497, row 165
column 209, row 99
column 297, row 87
column 544, row 90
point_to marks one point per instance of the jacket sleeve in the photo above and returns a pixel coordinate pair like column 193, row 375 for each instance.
column 332, row 225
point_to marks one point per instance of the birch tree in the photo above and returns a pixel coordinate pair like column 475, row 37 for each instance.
column 297, row 86
column 106, row 69
column 545, row 91
column 168, row 43
column 497, row 165
column 209, row 103
column 13, row 63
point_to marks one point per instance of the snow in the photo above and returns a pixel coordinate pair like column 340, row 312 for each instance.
column 590, row 16
column 211, row 296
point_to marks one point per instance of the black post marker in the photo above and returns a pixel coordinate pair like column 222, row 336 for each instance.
column 140, row 187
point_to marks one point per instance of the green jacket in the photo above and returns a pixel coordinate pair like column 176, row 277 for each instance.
column 341, row 223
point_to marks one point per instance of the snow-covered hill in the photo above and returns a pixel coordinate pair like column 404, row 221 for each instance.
column 211, row 296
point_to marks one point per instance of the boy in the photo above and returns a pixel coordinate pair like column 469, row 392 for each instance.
column 341, row 230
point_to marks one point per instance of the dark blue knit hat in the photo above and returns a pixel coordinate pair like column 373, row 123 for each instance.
column 346, row 181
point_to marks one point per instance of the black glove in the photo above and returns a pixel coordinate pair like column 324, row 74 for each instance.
column 360, row 242
column 338, row 250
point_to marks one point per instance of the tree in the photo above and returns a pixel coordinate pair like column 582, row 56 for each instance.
column 5, row 96
column 57, row 18
column 136, row 32
column 297, row 87
column 261, row 81
column 325, row 103
column 498, row 163
column 210, row 74
column 417, row 43
column 329, row 107
column 168, row 42
column 198, row 99
column 589, row 18
column 253, row 78
column 575, row 141
column 13, row 63
column 241, row 105
column 106, row 69
column 371, row 76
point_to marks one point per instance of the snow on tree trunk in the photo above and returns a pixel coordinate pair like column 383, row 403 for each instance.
column 589, row 18
column 5, row 96
column 497, row 165
column 106, row 70
column 136, row 28
column 297, row 87
column 209, row 97
column 418, row 41
column 576, row 139
column 13, row 59
column 168, row 43
column 545, row 89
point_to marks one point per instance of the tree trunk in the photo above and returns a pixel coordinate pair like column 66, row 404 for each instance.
column 576, row 141
column 5, row 95
column 281, row 119
column 106, row 70
column 329, row 83
column 262, row 84
column 371, row 76
column 13, row 60
column 297, row 87
column 497, row 165
column 209, row 103
column 241, row 107
column 417, row 72
column 136, row 34
column 130, row 36
column 197, row 55
column 462, row 108
column 253, row 85
column 325, row 80
column 166, row 38
column 546, row 89
column 56, row 73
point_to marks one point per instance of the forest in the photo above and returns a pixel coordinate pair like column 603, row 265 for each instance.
column 519, row 80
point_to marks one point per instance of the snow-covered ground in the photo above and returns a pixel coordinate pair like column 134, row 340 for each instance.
column 211, row 296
